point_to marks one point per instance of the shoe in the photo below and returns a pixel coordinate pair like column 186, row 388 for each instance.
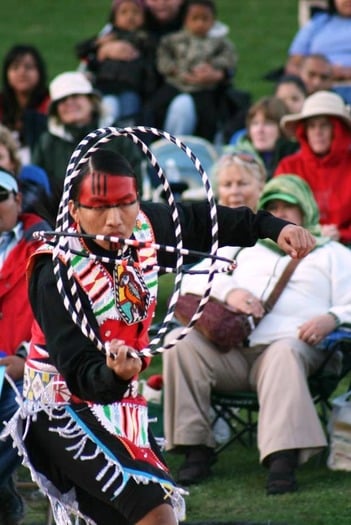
column 281, row 483
column 281, row 477
column 197, row 465
column 11, row 505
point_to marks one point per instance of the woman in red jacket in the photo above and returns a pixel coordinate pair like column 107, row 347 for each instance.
column 323, row 129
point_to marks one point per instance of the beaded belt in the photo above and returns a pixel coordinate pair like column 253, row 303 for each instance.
column 45, row 386
column 49, row 387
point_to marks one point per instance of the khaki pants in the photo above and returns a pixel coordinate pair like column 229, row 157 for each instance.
column 287, row 416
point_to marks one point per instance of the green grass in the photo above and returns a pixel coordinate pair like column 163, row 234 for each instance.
column 235, row 492
column 261, row 31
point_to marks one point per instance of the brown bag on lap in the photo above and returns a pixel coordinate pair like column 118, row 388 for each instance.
column 221, row 324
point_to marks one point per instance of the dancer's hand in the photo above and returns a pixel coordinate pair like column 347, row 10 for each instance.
column 296, row 241
column 123, row 360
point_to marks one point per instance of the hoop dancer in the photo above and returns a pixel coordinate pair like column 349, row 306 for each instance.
column 83, row 428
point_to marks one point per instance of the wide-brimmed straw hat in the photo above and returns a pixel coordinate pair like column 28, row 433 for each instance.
column 318, row 104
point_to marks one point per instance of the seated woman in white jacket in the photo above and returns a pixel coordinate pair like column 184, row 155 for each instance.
column 282, row 350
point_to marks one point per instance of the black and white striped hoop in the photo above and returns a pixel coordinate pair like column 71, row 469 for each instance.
column 70, row 297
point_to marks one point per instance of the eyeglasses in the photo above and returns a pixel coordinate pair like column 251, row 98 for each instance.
column 4, row 195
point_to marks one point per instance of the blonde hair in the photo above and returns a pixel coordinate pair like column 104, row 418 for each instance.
column 8, row 140
column 246, row 160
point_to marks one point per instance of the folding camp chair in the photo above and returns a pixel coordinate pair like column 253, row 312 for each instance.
column 184, row 179
column 239, row 410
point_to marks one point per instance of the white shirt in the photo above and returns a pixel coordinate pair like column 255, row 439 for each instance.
column 320, row 283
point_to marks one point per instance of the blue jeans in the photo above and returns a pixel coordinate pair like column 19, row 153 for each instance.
column 9, row 458
column 125, row 104
column 181, row 116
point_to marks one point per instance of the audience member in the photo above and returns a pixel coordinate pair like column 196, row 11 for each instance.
column 33, row 181
column 75, row 111
column 24, row 98
column 326, row 34
column 237, row 179
column 166, row 16
column 292, row 91
column 316, row 73
column 163, row 16
column 121, row 62
column 16, row 245
column 197, row 68
column 263, row 136
column 324, row 159
column 281, row 353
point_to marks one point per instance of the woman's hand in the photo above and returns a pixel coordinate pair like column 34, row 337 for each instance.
column 117, row 50
column 296, row 241
column 244, row 301
column 314, row 330
column 123, row 360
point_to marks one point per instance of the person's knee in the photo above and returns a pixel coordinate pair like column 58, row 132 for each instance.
column 184, row 349
column 183, row 104
column 285, row 354
column 181, row 115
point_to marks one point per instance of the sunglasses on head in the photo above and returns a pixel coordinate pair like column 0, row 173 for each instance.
column 244, row 157
column 4, row 195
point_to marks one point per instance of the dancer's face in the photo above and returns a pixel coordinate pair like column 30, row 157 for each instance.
column 107, row 205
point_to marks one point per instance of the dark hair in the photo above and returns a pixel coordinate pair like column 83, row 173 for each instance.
column 10, row 104
column 316, row 56
column 105, row 161
column 114, row 7
column 332, row 7
column 205, row 3
column 292, row 79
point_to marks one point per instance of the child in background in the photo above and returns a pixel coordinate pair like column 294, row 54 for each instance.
column 197, row 68
column 121, row 60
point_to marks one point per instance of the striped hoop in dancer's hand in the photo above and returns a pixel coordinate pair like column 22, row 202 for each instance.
column 70, row 297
